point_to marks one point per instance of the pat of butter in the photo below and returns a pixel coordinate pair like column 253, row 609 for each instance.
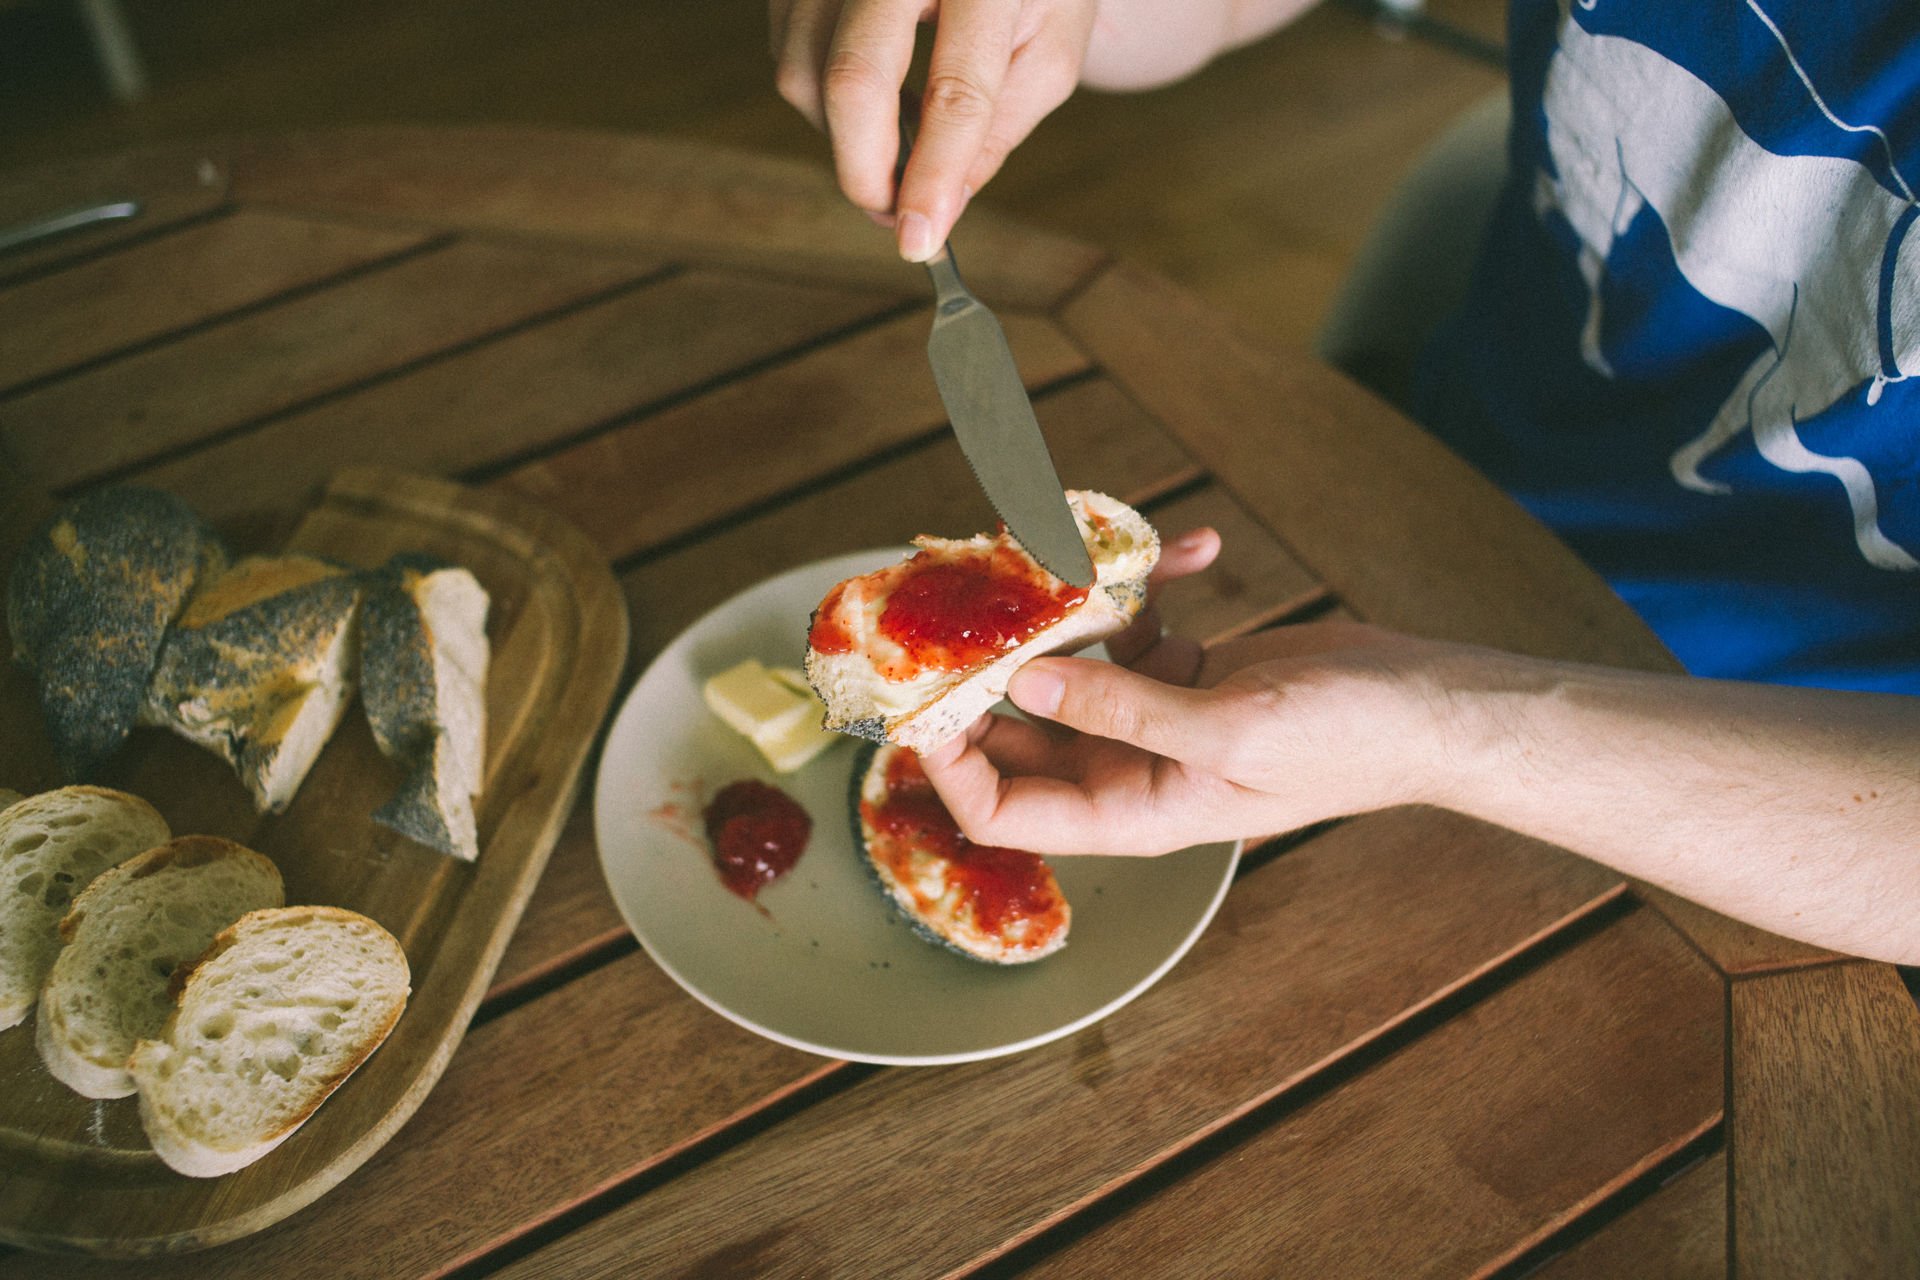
column 780, row 719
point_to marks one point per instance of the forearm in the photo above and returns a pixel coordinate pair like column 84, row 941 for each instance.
column 1140, row 44
column 1797, row 810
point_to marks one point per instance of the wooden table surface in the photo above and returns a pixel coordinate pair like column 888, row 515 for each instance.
column 1408, row 1044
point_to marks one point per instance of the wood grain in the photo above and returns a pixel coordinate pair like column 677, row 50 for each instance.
column 174, row 281
column 1679, row 1232
column 712, row 456
column 1825, row 1115
column 211, row 382
column 559, row 638
column 1478, row 1139
column 529, row 389
column 680, row 199
column 1311, row 955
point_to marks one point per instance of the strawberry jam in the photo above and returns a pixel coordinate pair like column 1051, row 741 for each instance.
column 757, row 833
column 951, row 611
column 828, row 634
column 999, row 886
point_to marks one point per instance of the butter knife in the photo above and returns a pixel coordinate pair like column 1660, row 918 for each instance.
column 993, row 418
column 993, row 421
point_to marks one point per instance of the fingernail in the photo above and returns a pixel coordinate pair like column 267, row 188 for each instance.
column 880, row 219
column 916, row 237
column 1037, row 691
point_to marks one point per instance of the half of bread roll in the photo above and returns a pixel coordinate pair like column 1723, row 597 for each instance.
column 915, row 652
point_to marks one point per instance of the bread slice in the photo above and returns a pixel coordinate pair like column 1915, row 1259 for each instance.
column 259, row 669
column 9, row 797
column 876, row 687
column 125, row 936
column 282, row 1008
column 997, row 906
column 52, row 845
column 88, row 601
column 423, row 682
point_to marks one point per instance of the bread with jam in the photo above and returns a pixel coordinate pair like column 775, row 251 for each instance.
column 915, row 652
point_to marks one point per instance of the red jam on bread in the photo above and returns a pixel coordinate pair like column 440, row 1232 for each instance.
column 1002, row 906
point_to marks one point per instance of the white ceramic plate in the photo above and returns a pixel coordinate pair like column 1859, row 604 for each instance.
column 828, row 966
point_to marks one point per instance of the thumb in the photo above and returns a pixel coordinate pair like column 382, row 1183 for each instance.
column 1110, row 701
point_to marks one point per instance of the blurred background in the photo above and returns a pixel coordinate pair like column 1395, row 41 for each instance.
column 1252, row 183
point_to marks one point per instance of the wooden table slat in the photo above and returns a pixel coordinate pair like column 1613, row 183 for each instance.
column 1825, row 1116
column 1311, row 955
column 215, row 380
column 529, row 389
column 1483, row 1135
column 174, row 282
column 682, row 199
column 1678, row 1233
column 710, row 456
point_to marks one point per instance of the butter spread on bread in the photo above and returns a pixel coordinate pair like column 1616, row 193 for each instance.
column 423, row 683
column 915, row 652
column 1000, row 906
column 126, row 935
column 52, row 845
column 88, row 602
column 282, row 1008
column 259, row 668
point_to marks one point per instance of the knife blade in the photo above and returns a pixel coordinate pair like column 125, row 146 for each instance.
column 993, row 421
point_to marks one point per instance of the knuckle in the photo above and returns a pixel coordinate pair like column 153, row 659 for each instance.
column 957, row 96
column 850, row 74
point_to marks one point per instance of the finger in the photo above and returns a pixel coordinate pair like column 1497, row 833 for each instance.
column 971, row 49
column 865, row 64
column 1037, row 813
column 1112, row 702
column 1188, row 554
column 1042, row 74
column 805, row 30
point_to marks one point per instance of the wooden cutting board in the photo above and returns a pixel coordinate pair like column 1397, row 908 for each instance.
column 79, row 1174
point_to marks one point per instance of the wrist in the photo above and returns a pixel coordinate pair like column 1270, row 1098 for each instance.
column 1466, row 727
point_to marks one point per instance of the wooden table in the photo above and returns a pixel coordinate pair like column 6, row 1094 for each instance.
column 1409, row 1043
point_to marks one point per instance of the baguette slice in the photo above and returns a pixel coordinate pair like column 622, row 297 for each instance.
column 875, row 687
column 9, row 798
column 259, row 669
column 282, row 1008
column 423, row 683
column 997, row 906
column 52, row 845
column 88, row 602
column 126, row 935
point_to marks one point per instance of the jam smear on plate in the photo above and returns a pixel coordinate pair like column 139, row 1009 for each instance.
column 757, row 833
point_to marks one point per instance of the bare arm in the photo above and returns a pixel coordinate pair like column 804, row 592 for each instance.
column 1797, row 810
